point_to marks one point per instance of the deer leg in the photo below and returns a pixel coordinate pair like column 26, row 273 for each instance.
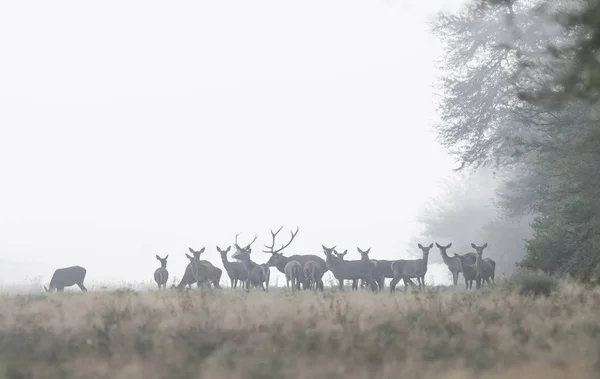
column 393, row 283
column 82, row 287
column 455, row 277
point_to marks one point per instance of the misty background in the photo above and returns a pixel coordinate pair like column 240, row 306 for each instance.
column 160, row 127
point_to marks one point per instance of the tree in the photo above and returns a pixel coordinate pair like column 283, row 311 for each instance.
column 519, row 95
column 465, row 212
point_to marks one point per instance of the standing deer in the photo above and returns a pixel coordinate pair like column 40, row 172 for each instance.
column 341, row 257
column 468, row 269
column 486, row 268
column 411, row 268
column 215, row 276
column 454, row 263
column 279, row 261
column 349, row 270
column 257, row 273
column 377, row 272
column 161, row 275
column 236, row 270
column 293, row 273
column 66, row 277
column 311, row 272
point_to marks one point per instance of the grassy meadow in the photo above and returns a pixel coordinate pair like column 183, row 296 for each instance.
column 442, row 333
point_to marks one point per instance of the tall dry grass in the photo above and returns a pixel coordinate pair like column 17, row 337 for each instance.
column 228, row 334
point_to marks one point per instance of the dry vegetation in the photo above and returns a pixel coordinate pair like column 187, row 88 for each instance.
column 218, row 334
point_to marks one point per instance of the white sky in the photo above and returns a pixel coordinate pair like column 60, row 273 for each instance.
column 135, row 128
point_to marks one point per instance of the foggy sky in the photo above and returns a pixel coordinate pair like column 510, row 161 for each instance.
column 136, row 128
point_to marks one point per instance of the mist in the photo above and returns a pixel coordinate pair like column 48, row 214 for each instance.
column 161, row 127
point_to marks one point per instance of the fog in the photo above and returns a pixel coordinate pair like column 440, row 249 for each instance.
column 137, row 128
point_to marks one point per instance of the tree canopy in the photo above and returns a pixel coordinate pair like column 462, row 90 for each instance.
column 518, row 94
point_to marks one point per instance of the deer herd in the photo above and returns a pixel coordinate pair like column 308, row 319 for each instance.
column 306, row 271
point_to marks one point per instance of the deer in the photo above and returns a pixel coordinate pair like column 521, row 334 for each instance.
column 257, row 273
column 486, row 268
column 215, row 276
column 341, row 257
column 378, row 274
column 236, row 270
column 67, row 277
column 279, row 261
column 349, row 270
column 161, row 275
column 411, row 268
column 468, row 269
column 195, row 272
column 454, row 263
column 293, row 273
column 311, row 272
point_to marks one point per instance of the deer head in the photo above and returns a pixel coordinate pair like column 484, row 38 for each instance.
column 328, row 251
column 443, row 248
column 163, row 261
column 425, row 249
column 479, row 249
column 276, row 254
column 242, row 252
column 223, row 252
column 196, row 253
column 340, row 255
column 190, row 257
column 364, row 254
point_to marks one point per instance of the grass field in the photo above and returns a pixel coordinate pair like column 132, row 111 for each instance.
column 442, row 333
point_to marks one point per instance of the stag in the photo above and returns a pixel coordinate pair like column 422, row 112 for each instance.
column 66, row 277
column 486, row 268
column 215, row 276
column 293, row 273
column 258, row 274
column 454, row 263
column 161, row 275
column 349, row 270
column 236, row 270
column 311, row 272
column 411, row 268
column 279, row 261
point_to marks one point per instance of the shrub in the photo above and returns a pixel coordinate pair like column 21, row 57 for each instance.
column 532, row 283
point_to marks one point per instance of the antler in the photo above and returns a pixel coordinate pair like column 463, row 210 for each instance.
column 274, row 235
column 247, row 246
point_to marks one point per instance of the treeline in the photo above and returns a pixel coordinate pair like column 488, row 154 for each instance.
column 519, row 89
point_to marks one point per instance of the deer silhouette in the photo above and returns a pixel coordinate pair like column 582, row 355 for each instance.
column 66, row 277
column 161, row 275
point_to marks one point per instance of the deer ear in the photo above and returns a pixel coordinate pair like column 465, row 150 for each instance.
column 449, row 245
column 190, row 249
column 438, row 245
column 166, row 256
column 202, row 250
column 430, row 245
column 157, row 257
column 368, row 250
column 473, row 245
column 420, row 246
column 484, row 245
column 228, row 248
column 188, row 256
